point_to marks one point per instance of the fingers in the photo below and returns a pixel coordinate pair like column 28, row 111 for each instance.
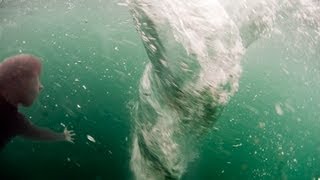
column 71, row 140
column 69, row 134
column 66, row 131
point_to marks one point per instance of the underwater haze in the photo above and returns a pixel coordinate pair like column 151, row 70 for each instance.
column 183, row 89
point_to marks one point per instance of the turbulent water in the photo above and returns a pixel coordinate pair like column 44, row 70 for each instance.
column 195, row 49
column 227, row 89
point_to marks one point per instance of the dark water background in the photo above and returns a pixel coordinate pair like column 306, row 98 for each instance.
column 93, row 59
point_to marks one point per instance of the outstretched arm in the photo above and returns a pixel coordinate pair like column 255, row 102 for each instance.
column 31, row 131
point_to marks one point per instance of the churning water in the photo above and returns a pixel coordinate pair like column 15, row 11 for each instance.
column 195, row 49
column 216, row 89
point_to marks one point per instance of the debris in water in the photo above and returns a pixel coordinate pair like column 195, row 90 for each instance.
column 57, row 84
column 262, row 125
column 122, row 4
column 216, row 129
column 77, row 164
column 78, row 106
column 279, row 110
column 237, row 145
column 285, row 71
column 90, row 138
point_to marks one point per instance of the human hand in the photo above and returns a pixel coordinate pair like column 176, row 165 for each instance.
column 68, row 135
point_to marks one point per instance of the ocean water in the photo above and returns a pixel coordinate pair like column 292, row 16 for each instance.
column 169, row 90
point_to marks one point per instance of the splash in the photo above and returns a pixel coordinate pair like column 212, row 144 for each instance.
column 195, row 48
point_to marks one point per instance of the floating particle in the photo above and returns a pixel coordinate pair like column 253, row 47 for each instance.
column 116, row 48
column 122, row 4
column 295, row 160
column 279, row 110
column 62, row 124
column 76, row 79
column 84, row 87
column 237, row 145
column 90, row 138
column 77, row 164
column 285, row 71
column 57, row 84
column 68, row 159
column 78, row 106
column 216, row 129
column 262, row 125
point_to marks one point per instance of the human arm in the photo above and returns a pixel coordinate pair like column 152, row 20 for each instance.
column 31, row 131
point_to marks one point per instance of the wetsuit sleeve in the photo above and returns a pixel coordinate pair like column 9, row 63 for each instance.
column 28, row 130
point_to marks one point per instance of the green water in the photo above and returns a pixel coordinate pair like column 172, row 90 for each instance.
column 273, row 146
column 81, row 66
column 93, row 57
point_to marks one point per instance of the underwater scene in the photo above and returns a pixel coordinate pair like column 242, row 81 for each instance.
column 169, row 89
